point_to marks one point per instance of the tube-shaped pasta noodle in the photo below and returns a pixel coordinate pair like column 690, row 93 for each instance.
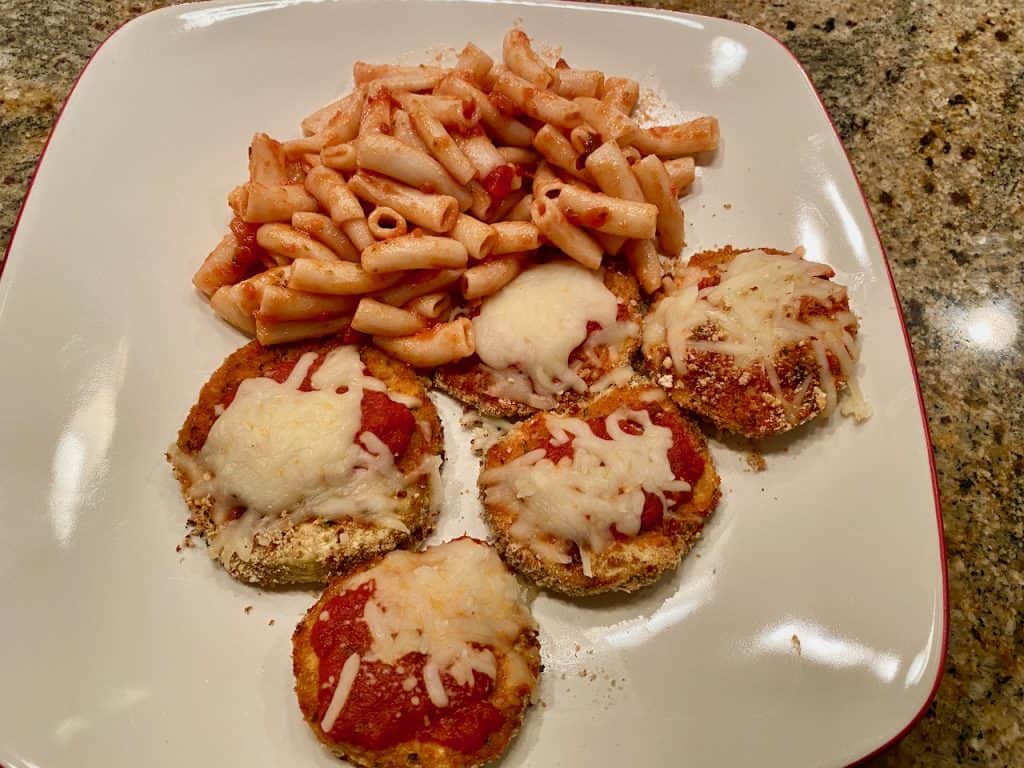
column 515, row 237
column 225, row 302
column 481, row 204
column 584, row 140
column 364, row 73
column 386, row 223
column 219, row 268
column 657, row 187
column 544, row 176
column 316, row 121
column 519, row 57
column 389, row 156
column 239, row 302
column 668, row 141
column 608, row 167
column 401, row 129
column 414, row 252
column 281, row 303
column 285, row 240
column 431, row 306
column 643, row 260
column 557, row 150
column 539, row 104
column 294, row 148
column 339, row 157
column 620, row 92
column 506, row 129
column 266, row 161
column 434, row 212
column 330, row 190
column 443, row 343
column 340, row 123
column 419, row 284
column 501, row 210
column 440, row 144
column 681, row 172
column 632, row 155
column 613, row 215
column 481, row 152
column 270, row 331
column 610, row 122
column 339, row 278
column 379, row 319
column 518, row 155
column 474, row 61
column 326, row 231
column 571, row 240
column 490, row 277
column 261, row 203
column 610, row 244
column 450, row 110
column 521, row 210
column 477, row 236
column 310, row 161
column 577, row 82
column 377, row 114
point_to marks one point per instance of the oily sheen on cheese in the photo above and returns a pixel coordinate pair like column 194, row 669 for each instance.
column 454, row 603
column 755, row 311
column 580, row 498
column 526, row 332
column 287, row 455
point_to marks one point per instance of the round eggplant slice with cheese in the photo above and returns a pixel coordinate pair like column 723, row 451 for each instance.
column 305, row 460
column 556, row 333
column 756, row 341
column 607, row 497
column 426, row 659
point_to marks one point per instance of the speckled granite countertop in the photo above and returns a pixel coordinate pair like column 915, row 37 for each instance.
column 929, row 100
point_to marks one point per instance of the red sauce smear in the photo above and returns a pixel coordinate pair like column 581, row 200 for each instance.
column 249, row 254
column 498, row 182
column 379, row 713
column 683, row 457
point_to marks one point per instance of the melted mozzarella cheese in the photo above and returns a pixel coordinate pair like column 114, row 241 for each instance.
column 755, row 311
column 579, row 499
column 287, row 456
column 526, row 332
column 453, row 603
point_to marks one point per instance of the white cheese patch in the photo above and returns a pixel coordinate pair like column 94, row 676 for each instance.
column 526, row 332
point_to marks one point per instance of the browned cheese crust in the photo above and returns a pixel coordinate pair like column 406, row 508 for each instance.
column 310, row 552
column 626, row 565
column 741, row 399
column 510, row 698
column 467, row 380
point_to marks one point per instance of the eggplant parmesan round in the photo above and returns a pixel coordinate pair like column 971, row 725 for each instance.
column 304, row 460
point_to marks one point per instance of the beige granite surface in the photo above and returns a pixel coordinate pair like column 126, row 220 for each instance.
column 929, row 100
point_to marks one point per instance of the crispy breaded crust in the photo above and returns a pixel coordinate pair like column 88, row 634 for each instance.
column 625, row 565
column 510, row 699
column 310, row 552
column 742, row 400
column 467, row 380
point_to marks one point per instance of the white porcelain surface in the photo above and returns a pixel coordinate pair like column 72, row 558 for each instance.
column 119, row 651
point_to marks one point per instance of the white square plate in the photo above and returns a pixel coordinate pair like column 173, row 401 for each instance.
column 809, row 627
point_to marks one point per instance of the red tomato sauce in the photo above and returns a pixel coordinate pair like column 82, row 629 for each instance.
column 683, row 457
column 249, row 254
column 379, row 712
column 498, row 183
